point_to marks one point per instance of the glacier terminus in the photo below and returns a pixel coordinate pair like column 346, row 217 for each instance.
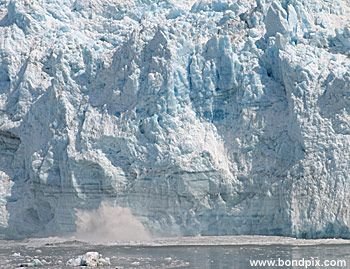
column 208, row 117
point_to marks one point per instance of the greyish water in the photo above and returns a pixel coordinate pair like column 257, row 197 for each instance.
column 218, row 253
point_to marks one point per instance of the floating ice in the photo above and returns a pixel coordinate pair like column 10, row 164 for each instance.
column 90, row 259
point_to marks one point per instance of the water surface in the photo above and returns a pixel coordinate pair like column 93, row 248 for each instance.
column 217, row 254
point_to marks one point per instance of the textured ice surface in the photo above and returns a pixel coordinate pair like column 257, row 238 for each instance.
column 202, row 117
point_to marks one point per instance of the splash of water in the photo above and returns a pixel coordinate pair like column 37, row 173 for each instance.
column 109, row 224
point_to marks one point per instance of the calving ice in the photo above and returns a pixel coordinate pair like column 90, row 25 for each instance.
column 201, row 117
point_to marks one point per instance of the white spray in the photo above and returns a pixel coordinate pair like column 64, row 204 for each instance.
column 109, row 224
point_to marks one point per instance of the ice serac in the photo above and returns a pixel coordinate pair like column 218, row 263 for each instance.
column 202, row 117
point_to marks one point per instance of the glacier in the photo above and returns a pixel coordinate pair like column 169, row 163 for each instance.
column 208, row 117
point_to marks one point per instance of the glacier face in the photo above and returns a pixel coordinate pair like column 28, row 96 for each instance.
column 202, row 117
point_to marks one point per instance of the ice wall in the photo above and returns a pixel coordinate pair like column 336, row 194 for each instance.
column 202, row 117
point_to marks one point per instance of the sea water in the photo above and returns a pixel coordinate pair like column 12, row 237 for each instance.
column 217, row 254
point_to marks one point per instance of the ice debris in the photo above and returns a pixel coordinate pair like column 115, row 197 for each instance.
column 91, row 259
column 33, row 263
